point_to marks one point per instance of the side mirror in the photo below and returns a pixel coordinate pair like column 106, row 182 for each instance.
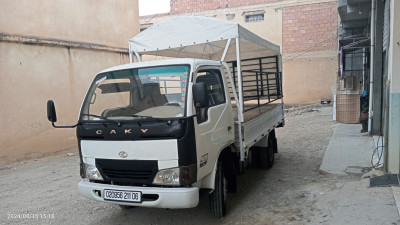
column 51, row 111
column 200, row 95
column 52, row 117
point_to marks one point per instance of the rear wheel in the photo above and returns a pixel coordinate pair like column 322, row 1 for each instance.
column 218, row 196
column 266, row 155
column 252, row 157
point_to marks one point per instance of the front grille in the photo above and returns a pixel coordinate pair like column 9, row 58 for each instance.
column 129, row 171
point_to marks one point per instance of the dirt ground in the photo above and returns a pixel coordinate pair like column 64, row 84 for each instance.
column 45, row 190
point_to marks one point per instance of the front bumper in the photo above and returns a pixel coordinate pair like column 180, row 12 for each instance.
column 167, row 197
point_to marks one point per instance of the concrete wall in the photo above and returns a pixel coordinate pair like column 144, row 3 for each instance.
column 309, row 78
column 306, row 31
column 110, row 23
column 58, row 63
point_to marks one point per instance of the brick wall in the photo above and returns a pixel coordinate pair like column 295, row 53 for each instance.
column 188, row 6
column 309, row 27
column 305, row 27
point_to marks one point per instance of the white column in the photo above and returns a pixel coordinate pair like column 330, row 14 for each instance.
column 371, row 69
column 393, row 142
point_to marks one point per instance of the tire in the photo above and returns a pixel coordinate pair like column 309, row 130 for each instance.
column 232, row 183
column 253, row 155
column 218, row 196
column 266, row 155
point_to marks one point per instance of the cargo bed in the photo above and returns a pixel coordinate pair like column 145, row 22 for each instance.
column 259, row 122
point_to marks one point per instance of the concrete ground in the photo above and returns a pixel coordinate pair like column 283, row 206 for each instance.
column 349, row 152
column 294, row 191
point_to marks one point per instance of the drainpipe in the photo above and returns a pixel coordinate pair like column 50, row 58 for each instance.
column 371, row 71
column 363, row 72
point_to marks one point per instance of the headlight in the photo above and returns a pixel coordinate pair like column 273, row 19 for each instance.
column 92, row 173
column 184, row 175
column 167, row 177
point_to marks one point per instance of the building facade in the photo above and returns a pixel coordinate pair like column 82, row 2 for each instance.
column 306, row 31
column 369, row 46
column 52, row 50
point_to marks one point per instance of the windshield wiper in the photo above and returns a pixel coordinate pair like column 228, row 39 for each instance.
column 102, row 117
column 139, row 116
column 147, row 117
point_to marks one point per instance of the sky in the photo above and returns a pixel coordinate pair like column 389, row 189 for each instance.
column 148, row 7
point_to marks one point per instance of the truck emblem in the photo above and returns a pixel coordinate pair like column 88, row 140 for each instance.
column 203, row 160
column 123, row 154
column 99, row 132
column 113, row 132
column 144, row 131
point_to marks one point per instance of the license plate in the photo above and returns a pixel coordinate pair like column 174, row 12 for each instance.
column 125, row 196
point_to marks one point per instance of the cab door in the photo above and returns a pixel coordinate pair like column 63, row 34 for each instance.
column 213, row 123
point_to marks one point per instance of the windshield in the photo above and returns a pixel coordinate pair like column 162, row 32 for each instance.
column 133, row 94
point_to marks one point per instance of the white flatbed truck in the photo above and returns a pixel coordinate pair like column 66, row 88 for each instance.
column 152, row 134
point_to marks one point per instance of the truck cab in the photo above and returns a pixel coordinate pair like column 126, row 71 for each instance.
column 141, row 133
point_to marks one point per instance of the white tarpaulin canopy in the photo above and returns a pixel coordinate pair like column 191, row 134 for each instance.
column 200, row 37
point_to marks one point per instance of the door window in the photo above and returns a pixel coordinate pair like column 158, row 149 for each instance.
column 215, row 91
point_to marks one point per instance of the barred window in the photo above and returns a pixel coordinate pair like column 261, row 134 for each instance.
column 254, row 18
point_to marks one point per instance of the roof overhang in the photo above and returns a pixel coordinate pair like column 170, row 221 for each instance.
column 354, row 13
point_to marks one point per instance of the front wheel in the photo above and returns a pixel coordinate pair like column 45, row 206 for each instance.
column 218, row 196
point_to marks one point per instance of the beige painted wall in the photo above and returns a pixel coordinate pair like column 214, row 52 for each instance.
column 110, row 23
column 310, row 78
column 270, row 28
column 29, row 76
